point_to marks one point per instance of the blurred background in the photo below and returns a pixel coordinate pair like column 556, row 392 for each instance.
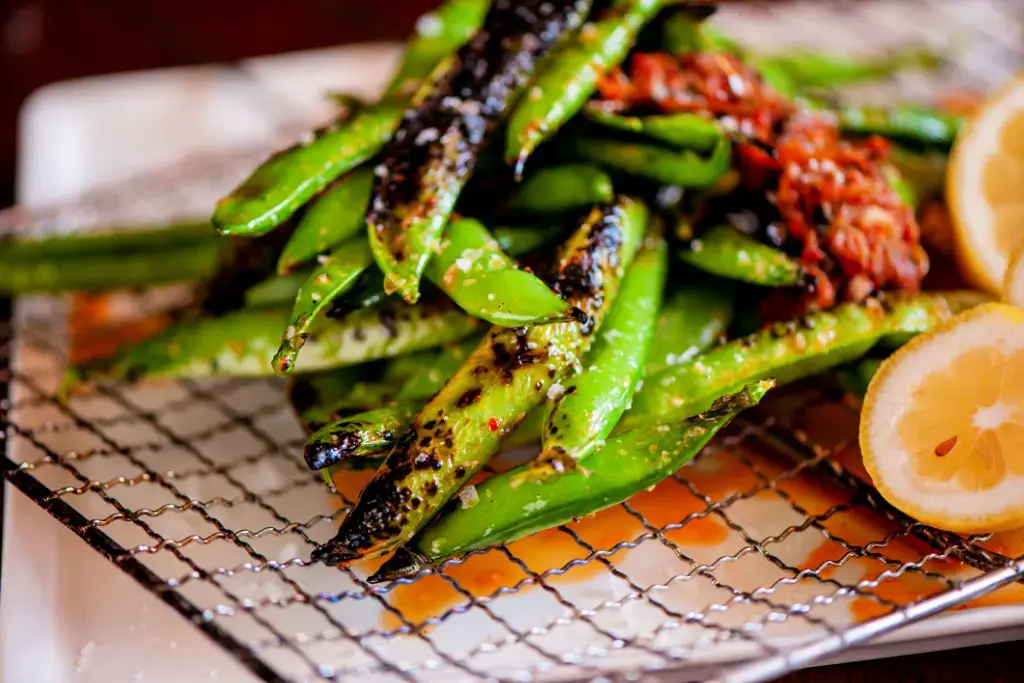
column 44, row 41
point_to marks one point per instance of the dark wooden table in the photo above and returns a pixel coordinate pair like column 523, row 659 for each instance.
column 42, row 41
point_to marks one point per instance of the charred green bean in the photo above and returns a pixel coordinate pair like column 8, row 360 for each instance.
column 509, row 508
column 506, row 376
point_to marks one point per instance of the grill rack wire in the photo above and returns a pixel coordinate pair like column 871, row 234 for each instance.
column 217, row 520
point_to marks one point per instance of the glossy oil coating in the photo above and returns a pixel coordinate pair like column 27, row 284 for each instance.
column 724, row 251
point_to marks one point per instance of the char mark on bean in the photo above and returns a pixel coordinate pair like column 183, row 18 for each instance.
column 441, row 137
column 510, row 355
column 322, row 454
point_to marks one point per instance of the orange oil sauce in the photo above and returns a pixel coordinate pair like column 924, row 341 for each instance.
column 717, row 476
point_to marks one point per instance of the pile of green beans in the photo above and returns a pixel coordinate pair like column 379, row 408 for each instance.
column 487, row 257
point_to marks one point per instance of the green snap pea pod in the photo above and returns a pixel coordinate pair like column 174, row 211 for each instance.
column 508, row 509
column 484, row 282
column 810, row 70
column 584, row 410
column 99, row 271
column 436, row 147
column 688, row 131
column 560, row 89
column 692, row 320
column 337, row 214
column 276, row 291
column 562, row 189
column 122, row 240
column 905, row 124
column 505, row 377
column 372, row 433
column 727, row 252
column 790, row 351
column 685, row 168
column 335, row 275
column 242, row 343
column 518, row 241
column 291, row 177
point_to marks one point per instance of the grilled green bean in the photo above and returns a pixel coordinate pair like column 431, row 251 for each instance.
column 560, row 89
column 791, row 351
column 332, row 218
column 562, row 189
column 725, row 251
column 372, row 433
column 902, row 188
column 687, row 131
column 335, row 275
column 684, row 168
column 484, row 282
column 692, row 320
column 100, row 271
column 584, row 411
column 813, row 70
column 435, row 149
column 507, row 510
column 518, row 240
column 277, row 291
column 504, row 378
column 290, row 178
column 79, row 244
column 902, row 124
column 242, row 343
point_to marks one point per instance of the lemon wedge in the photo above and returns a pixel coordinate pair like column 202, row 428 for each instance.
column 985, row 187
column 942, row 426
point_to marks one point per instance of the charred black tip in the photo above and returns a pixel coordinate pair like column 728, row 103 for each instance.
column 403, row 563
column 337, row 447
column 579, row 316
column 333, row 552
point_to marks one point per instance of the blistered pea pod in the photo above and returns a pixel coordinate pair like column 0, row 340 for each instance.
column 509, row 506
column 725, row 251
column 561, row 189
column 693, row 318
column 584, row 410
column 793, row 350
column 334, row 216
column 684, row 130
column 902, row 124
column 435, row 150
column 559, row 90
column 242, row 343
column 506, row 377
column 669, row 166
column 290, row 178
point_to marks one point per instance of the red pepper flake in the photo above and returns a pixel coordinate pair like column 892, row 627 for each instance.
column 946, row 446
column 492, row 422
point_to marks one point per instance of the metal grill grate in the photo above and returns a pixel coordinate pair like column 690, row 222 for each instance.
column 769, row 547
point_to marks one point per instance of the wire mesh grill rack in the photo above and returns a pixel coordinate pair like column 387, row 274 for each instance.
column 770, row 548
